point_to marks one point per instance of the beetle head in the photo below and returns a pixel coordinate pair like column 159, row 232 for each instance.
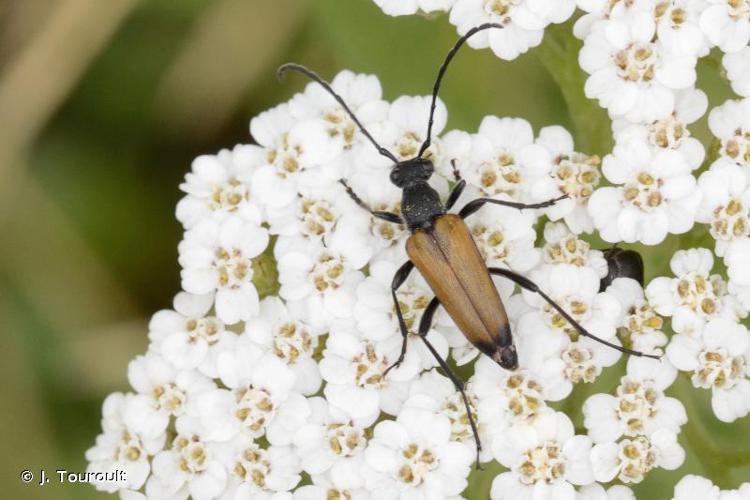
column 411, row 172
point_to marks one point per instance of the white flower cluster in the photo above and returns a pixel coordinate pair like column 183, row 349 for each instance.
column 693, row 487
column 288, row 396
column 641, row 57
column 523, row 21
column 710, row 341
column 238, row 397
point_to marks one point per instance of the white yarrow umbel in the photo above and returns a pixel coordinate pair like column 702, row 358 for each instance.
column 289, row 390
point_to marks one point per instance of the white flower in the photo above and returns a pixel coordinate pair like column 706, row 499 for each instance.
column 163, row 392
column 362, row 94
column 597, row 10
column 375, row 312
column 290, row 339
column 324, row 488
column 505, row 236
column 692, row 487
column 631, row 459
column 509, row 398
column 596, row 491
column 314, row 213
column 694, row 295
column 571, row 173
column 671, row 132
column 255, row 472
column 406, row 128
column 434, row 392
column 119, row 448
column 499, row 159
column 292, row 149
column 576, row 290
column 639, row 406
column 677, row 26
column 727, row 24
column 737, row 66
column 718, row 361
column 415, row 457
column 320, row 280
column 564, row 247
column 737, row 260
column 545, row 458
column 329, row 442
column 384, row 239
column 406, row 7
column 632, row 76
column 354, row 367
column 259, row 398
column 640, row 326
column 191, row 463
column 523, row 22
column 217, row 257
column 219, row 185
column 726, row 203
column 730, row 122
column 187, row 337
column 656, row 195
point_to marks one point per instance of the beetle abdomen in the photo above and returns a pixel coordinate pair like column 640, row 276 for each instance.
column 450, row 262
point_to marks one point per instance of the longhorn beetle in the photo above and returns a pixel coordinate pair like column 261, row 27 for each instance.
column 622, row 263
column 442, row 249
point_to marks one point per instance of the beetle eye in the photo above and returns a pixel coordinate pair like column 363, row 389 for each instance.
column 396, row 176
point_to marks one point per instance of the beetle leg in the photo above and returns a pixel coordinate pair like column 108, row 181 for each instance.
column 457, row 189
column 526, row 283
column 457, row 382
column 398, row 280
column 387, row 216
column 475, row 205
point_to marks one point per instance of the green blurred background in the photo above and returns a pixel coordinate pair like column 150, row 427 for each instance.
column 103, row 104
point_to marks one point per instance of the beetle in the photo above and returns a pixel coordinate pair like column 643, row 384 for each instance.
column 622, row 263
column 442, row 249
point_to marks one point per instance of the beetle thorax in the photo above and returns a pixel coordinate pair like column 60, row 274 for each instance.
column 420, row 204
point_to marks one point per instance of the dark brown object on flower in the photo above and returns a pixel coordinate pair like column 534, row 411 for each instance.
column 622, row 263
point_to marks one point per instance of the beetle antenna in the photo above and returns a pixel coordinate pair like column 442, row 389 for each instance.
column 441, row 73
column 316, row 78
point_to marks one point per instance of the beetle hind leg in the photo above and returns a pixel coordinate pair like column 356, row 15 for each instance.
column 526, row 283
column 424, row 326
column 475, row 205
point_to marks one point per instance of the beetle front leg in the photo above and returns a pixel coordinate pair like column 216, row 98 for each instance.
column 457, row 189
column 380, row 214
column 529, row 285
column 475, row 205
column 398, row 279
column 424, row 327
